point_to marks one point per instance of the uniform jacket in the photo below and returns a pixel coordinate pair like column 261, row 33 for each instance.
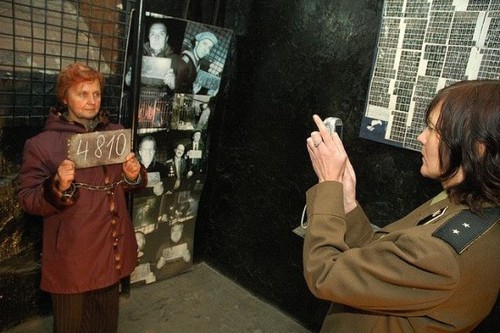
column 177, row 174
column 187, row 72
column 398, row 279
column 88, row 241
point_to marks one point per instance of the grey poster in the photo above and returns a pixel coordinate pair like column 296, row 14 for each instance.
column 182, row 64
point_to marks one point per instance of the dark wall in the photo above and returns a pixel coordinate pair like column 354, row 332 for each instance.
column 293, row 59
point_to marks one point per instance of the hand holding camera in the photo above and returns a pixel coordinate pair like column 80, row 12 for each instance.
column 334, row 125
column 329, row 158
column 326, row 150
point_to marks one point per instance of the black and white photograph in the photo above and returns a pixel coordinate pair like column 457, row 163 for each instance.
column 181, row 69
column 175, row 161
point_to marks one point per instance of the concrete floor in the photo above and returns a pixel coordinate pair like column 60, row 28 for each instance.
column 201, row 300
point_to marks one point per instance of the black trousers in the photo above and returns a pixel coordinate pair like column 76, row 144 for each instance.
column 94, row 311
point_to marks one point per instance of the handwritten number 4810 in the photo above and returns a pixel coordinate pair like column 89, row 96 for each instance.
column 114, row 147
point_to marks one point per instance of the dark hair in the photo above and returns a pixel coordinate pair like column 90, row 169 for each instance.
column 469, row 128
column 158, row 23
column 74, row 74
column 194, row 132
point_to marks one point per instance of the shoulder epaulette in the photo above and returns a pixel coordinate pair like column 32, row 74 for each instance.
column 464, row 228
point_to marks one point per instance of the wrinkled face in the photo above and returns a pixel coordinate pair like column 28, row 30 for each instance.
column 179, row 151
column 176, row 232
column 430, row 140
column 203, row 48
column 147, row 152
column 158, row 36
column 83, row 101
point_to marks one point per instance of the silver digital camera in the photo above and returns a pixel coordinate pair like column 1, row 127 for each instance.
column 334, row 124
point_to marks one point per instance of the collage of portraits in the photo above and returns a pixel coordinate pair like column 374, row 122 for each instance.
column 181, row 67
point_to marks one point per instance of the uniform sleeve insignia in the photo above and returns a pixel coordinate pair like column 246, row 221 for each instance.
column 433, row 217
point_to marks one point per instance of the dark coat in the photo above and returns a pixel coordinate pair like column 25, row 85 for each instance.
column 177, row 64
column 187, row 72
column 177, row 175
column 88, row 241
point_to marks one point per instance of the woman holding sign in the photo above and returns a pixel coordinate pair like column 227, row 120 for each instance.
column 88, row 237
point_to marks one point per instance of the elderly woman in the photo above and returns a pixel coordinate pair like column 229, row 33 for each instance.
column 438, row 268
column 88, row 237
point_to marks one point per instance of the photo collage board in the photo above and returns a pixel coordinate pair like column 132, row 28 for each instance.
column 181, row 67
